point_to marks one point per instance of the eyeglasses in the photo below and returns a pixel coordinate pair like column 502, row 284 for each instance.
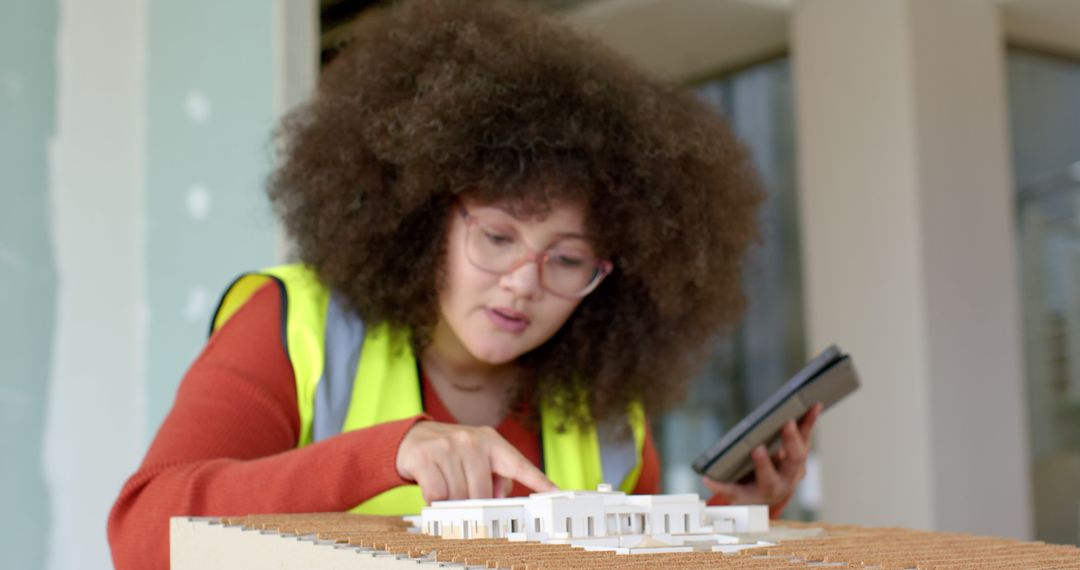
column 567, row 268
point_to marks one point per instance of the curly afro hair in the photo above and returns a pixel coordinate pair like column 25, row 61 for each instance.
column 430, row 99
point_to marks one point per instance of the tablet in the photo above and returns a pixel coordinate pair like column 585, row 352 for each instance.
column 826, row 379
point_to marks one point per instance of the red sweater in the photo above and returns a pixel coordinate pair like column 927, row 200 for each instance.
column 228, row 446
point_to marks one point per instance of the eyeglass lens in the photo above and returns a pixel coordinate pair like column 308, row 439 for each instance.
column 569, row 267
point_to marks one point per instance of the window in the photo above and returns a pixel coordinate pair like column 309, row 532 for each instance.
column 686, row 523
column 589, row 531
column 536, row 523
column 748, row 364
column 667, row 524
column 514, row 525
column 1045, row 127
column 495, row 529
column 569, row 526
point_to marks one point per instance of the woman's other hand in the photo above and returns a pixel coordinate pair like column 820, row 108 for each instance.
column 451, row 461
column 774, row 478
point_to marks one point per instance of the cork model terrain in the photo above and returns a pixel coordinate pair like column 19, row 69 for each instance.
column 344, row 541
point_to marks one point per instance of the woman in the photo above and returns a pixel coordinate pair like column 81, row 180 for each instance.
column 514, row 248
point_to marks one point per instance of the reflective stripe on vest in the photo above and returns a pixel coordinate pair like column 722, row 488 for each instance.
column 349, row 376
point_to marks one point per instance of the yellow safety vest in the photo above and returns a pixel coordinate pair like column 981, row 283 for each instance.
column 384, row 387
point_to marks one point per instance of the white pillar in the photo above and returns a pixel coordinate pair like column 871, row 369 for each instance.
column 909, row 261
column 296, row 70
column 94, row 420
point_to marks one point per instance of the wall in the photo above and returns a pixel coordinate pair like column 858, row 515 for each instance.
column 27, row 271
column 210, row 108
column 134, row 141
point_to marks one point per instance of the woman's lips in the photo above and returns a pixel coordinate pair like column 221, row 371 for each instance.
column 508, row 320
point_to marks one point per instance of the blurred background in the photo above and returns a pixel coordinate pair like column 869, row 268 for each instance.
column 922, row 160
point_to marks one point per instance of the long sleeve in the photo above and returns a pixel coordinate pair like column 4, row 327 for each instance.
column 228, row 446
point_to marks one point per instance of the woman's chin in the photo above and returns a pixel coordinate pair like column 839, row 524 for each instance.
column 495, row 355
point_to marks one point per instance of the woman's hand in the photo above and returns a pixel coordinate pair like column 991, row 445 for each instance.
column 450, row 461
column 775, row 478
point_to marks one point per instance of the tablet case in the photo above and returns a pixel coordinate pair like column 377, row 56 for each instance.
column 826, row 379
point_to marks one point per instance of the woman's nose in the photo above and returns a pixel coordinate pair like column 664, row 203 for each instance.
column 523, row 280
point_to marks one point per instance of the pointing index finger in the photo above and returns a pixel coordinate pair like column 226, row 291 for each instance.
column 508, row 462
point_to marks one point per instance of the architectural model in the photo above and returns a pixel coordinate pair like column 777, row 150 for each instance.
column 600, row 520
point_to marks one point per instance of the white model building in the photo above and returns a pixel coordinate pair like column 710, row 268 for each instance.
column 601, row 520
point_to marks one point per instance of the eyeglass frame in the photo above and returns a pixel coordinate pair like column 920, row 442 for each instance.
column 603, row 269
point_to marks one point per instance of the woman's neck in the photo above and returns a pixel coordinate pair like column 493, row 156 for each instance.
column 475, row 392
